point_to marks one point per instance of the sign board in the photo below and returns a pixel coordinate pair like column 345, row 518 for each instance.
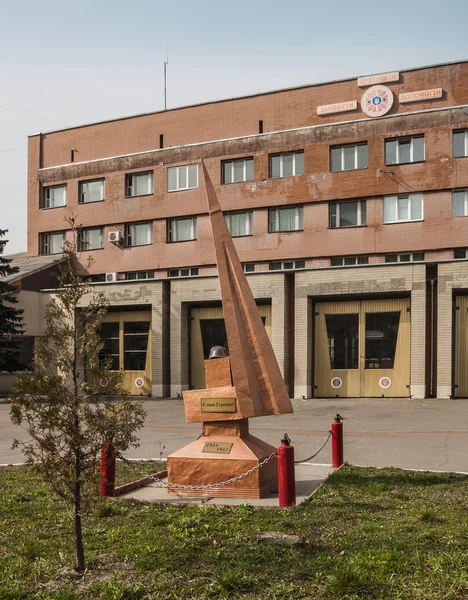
column 217, row 447
column 338, row 107
column 377, row 101
column 382, row 78
column 420, row 95
column 218, row 405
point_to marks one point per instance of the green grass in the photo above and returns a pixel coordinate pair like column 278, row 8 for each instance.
column 369, row 534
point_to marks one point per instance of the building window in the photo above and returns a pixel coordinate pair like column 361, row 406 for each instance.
column 403, row 208
column 287, row 164
column 404, row 150
column 52, row 243
column 182, row 178
column 460, row 254
column 235, row 171
column 410, row 257
column 460, row 203
column 347, row 214
column 91, row 191
column 182, row 230
column 349, row 157
column 285, row 219
column 183, row 272
column 239, row 224
column 140, row 275
column 55, row 196
column 139, row 234
column 99, row 278
column 139, row 184
column 91, row 238
column 248, row 267
column 348, row 261
column 460, row 143
column 287, row 265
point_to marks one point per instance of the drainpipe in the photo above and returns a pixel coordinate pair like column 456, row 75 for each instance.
column 431, row 384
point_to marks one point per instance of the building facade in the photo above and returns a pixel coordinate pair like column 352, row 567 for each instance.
column 348, row 203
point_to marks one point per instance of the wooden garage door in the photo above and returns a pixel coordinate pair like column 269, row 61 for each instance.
column 461, row 348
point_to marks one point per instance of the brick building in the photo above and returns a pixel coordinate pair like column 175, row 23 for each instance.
column 348, row 202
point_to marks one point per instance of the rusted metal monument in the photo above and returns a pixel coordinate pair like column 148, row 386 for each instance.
column 246, row 384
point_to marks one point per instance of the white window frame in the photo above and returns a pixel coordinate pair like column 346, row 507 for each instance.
column 231, row 163
column 47, row 195
column 401, row 140
column 401, row 197
column 84, row 191
column 460, row 257
column 84, row 235
column 348, row 258
column 342, row 148
column 465, row 132
column 399, row 257
column 139, row 275
column 465, row 202
column 284, row 265
column 46, row 241
column 192, row 272
column 281, row 156
column 177, row 170
column 248, row 267
column 273, row 219
column 129, row 186
column 129, row 235
column 248, row 222
column 338, row 204
column 171, row 231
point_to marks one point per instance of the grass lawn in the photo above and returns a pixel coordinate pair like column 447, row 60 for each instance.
column 368, row 534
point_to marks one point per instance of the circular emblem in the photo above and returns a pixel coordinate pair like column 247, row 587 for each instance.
column 139, row 382
column 377, row 101
column 385, row 382
column 103, row 381
column 336, row 382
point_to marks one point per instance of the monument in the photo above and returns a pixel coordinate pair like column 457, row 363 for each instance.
column 247, row 383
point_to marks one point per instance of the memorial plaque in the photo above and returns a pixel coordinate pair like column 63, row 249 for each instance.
column 218, row 405
column 217, row 447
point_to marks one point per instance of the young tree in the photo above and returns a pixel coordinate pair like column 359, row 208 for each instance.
column 10, row 316
column 60, row 404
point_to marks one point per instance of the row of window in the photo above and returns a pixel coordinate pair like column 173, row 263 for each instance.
column 346, row 157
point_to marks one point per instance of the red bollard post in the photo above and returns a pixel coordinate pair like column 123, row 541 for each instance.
column 337, row 441
column 286, row 477
column 107, row 484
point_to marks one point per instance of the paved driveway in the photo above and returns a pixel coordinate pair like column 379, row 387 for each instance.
column 417, row 434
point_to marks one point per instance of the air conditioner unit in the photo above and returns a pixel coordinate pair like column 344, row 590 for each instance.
column 111, row 277
column 114, row 236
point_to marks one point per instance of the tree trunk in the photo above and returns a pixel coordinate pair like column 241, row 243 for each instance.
column 80, row 557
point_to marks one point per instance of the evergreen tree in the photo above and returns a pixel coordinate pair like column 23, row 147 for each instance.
column 10, row 316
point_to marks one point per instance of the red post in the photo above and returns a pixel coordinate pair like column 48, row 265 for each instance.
column 337, row 442
column 286, row 477
column 107, row 485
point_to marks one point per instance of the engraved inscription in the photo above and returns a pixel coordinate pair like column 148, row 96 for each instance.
column 218, row 447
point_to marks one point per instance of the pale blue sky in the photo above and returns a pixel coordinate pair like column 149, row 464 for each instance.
column 94, row 60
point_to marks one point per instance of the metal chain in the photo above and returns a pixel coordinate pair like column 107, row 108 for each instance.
column 298, row 462
column 199, row 487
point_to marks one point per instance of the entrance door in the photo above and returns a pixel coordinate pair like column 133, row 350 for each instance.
column 208, row 330
column 127, row 342
column 461, row 348
column 362, row 349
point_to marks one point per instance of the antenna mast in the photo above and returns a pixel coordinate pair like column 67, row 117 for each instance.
column 166, row 62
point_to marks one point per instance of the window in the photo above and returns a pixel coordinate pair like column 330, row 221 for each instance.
column 139, row 234
column 404, row 150
column 140, row 275
column 460, row 203
column 287, row 265
column 91, row 191
column 139, row 184
column 347, row 214
column 349, row 157
column 182, row 230
column 135, row 338
column 52, row 243
column 343, row 340
column 234, row 171
column 381, row 339
column 348, row 261
column 91, row 239
column 248, row 267
column 411, row 257
column 460, row 254
column 183, row 272
column 460, row 143
column 99, row 278
column 55, row 196
column 285, row 219
column 182, row 178
column 287, row 164
column 239, row 223
column 403, row 208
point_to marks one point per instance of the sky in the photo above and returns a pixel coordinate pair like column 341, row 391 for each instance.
column 78, row 62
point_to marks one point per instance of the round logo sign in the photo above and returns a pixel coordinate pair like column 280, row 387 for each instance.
column 103, row 381
column 336, row 382
column 385, row 382
column 139, row 382
column 377, row 101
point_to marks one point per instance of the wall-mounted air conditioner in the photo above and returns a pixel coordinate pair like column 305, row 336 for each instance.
column 111, row 277
column 114, row 236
